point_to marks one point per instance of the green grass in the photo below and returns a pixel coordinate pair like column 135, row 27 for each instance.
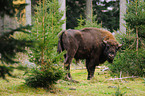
column 98, row 86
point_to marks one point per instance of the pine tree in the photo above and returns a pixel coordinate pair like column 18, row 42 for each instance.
column 73, row 8
column 135, row 17
column 131, row 61
column 9, row 45
column 108, row 18
column 47, row 24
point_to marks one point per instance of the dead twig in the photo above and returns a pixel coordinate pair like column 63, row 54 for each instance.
column 121, row 78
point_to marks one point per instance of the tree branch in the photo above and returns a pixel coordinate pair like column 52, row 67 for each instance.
column 121, row 78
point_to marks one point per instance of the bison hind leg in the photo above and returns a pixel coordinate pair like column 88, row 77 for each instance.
column 67, row 62
column 67, row 68
column 71, row 51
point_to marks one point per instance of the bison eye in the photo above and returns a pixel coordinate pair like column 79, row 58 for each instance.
column 112, row 53
column 107, row 46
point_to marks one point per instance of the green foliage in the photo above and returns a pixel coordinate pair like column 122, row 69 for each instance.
column 7, row 7
column 21, row 67
column 47, row 24
column 129, row 62
column 9, row 45
column 44, row 76
column 73, row 11
column 141, row 32
column 144, row 80
column 108, row 18
column 129, row 41
column 118, row 92
column 5, row 70
column 83, row 23
column 135, row 15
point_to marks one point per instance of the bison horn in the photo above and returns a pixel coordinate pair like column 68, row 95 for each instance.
column 105, row 42
column 120, row 45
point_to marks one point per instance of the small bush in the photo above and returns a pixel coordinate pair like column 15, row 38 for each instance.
column 44, row 76
column 46, row 26
column 129, row 41
column 83, row 23
column 129, row 62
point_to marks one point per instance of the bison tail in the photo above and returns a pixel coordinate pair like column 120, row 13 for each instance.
column 60, row 47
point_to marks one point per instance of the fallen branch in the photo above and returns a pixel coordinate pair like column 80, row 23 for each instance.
column 122, row 78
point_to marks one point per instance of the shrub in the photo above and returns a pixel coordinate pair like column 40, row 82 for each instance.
column 46, row 26
column 44, row 76
column 83, row 23
column 129, row 41
column 129, row 62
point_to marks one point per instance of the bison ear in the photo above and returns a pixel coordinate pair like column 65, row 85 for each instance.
column 119, row 46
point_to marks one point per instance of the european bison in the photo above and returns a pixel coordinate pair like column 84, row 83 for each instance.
column 93, row 44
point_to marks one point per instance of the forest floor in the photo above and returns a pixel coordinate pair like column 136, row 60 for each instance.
column 100, row 85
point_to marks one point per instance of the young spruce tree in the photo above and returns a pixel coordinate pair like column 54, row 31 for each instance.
column 131, row 60
column 47, row 24
column 135, row 18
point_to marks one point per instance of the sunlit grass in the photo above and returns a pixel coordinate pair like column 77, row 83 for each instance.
column 98, row 86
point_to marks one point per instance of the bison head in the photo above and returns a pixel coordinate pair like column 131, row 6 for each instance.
column 110, row 49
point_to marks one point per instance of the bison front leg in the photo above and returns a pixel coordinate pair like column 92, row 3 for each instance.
column 90, row 64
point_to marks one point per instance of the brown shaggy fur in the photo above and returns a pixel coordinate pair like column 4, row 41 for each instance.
column 93, row 44
column 102, row 33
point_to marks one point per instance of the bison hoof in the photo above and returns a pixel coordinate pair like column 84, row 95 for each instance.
column 67, row 78
column 74, row 81
column 89, row 78
column 71, row 80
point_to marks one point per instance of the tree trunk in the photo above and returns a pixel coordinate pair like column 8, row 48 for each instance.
column 7, row 23
column 122, row 12
column 137, row 38
column 43, row 34
column 89, row 10
column 63, row 8
column 28, row 12
column 1, row 25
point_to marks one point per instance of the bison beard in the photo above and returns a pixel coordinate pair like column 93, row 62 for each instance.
column 93, row 44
